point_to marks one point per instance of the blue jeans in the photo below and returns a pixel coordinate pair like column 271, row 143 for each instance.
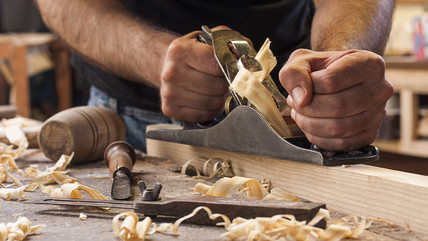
column 135, row 119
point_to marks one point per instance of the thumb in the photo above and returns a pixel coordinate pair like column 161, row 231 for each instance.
column 296, row 79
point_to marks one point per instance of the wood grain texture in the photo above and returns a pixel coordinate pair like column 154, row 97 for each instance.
column 362, row 190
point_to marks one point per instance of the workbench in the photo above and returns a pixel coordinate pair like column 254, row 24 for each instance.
column 62, row 222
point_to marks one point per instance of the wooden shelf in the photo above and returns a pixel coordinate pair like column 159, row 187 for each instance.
column 410, row 79
column 417, row 147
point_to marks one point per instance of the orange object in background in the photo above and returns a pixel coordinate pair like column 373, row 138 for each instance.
column 420, row 38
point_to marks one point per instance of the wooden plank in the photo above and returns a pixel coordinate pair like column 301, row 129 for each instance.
column 362, row 190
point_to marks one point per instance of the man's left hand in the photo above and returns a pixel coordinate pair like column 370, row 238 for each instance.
column 338, row 99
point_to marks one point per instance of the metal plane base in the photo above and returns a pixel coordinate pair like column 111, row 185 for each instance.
column 245, row 131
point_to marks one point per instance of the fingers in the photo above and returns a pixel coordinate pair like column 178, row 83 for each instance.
column 347, row 133
column 179, row 103
column 350, row 102
column 178, row 73
column 330, row 127
column 345, row 144
column 346, row 69
column 197, row 55
column 337, row 98
column 193, row 87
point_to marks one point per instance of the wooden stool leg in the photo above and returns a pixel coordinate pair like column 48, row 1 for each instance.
column 21, row 91
column 62, row 76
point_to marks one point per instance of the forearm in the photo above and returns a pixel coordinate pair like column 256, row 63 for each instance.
column 343, row 24
column 105, row 33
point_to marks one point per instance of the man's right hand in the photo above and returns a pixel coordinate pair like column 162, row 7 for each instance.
column 193, row 87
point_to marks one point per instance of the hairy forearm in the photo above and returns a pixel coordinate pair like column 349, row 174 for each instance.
column 105, row 33
column 351, row 24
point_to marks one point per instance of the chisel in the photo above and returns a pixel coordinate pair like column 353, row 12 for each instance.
column 120, row 158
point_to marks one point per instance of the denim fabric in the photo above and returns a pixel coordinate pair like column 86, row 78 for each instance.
column 135, row 119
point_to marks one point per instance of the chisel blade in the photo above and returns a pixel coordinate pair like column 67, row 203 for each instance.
column 121, row 188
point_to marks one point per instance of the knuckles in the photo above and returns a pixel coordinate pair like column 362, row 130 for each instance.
column 176, row 49
column 168, row 73
column 300, row 52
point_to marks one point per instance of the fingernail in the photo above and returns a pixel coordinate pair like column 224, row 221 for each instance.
column 298, row 93
column 290, row 100
column 293, row 114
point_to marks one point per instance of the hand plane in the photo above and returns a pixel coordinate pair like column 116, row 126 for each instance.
column 244, row 129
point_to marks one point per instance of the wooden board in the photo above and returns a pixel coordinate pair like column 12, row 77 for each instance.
column 362, row 190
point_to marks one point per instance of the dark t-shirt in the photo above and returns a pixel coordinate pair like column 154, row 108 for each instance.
column 286, row 22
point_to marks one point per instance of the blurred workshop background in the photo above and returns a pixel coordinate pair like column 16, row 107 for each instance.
column 35, row 76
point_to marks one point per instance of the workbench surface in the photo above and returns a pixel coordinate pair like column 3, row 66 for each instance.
column 62, row 222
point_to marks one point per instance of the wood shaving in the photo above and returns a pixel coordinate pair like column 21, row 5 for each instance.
column 8, row 154
column 16, row 135
column 286, row 227
column 249, row 85
column 220, row 167
column 226, row 187
column 83, row 216
column 9, row 193
column 18, row 230
column 67, row 190
column 279, row 227
column 187, row 164
column 4, row 174
column 131, row 229
column 70, row 188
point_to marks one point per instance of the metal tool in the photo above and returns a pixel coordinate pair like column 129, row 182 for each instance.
column 179, row 207
column 120, row 158
column 233, row 52
column 244, row 130
column 150, row 194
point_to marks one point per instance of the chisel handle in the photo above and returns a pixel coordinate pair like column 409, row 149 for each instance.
column 119, row 155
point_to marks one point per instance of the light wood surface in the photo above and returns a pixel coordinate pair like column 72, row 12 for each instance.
column 360, row 189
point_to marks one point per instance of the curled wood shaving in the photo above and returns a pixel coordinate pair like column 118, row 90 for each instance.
column 131, row 229
column 31, row 171
column 4, row 174
column 279, row 227
column 49, row 177
column 67, row 190
column 62, row 163
column 226, row 187
column 24, row 122
column 16, row 135
column 56, row 174
column 286, row 227
column 279, row 194
column 8, row 155
column 219, row 168
column 187, row 164
column 18, row 230
column 8, row 193
column 249, row 85
column 83, row 216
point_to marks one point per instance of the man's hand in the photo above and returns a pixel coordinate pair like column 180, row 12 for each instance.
column 193, row 87
column 338, row 98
